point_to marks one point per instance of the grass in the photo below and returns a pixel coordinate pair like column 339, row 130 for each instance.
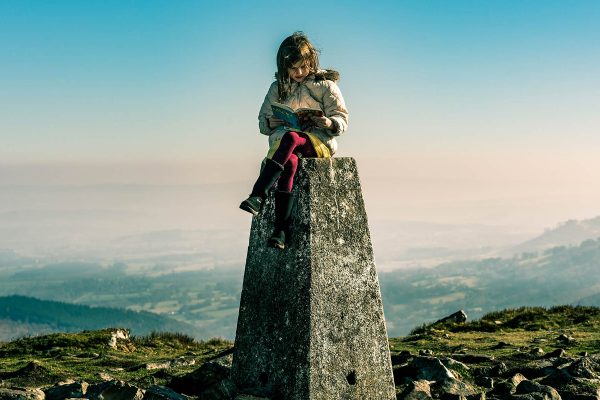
column 521, row 328
column 44, row 360
column 86, row 355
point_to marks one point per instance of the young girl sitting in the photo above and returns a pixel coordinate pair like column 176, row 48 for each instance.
column 299, row 84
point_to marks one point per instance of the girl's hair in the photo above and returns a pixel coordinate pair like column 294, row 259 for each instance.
column 293, row 49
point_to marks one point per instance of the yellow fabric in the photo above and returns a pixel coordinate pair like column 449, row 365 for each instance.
column 320, row 148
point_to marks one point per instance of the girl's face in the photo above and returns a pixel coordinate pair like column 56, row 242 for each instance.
column 299, row 71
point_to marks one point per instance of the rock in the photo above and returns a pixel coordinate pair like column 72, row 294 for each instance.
column 498, row 370
column 186, row 362
column 425, row 352
column 557, row 353
column 222, row 390
column 502, row 345
column 199, row 380
column 21, row 394
column 473, row 358
column 404, row 374
column 105, row 377
column 320, row 331
column 431, row 369
column 527, row 387
column 157, row 392
column 517, row 379
column 509, row 386
column 401, row 358
column 60, row 392
column 459, row 317
column 565, row 339
column 416, row 390
column 580, row 389
column 119, row 334
column 584, row 368
column 454, row 365
column 485, row 382
column 153, row 366
column 453, row 389
column 535, row 369
column 537, row 351
column 114, row 390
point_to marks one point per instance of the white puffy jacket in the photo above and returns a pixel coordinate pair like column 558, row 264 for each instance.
column 315, row 91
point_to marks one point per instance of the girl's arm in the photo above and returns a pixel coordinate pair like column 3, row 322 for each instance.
column 265, row 110
column 335, row 108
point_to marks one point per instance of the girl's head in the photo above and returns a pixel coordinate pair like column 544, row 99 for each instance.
column 296, row 59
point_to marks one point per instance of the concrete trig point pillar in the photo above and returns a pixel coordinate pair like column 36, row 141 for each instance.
column 311, row 322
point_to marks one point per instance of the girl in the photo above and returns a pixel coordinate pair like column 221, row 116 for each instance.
column 299, row 83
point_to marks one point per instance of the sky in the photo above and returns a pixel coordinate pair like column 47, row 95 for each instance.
column 460, row 111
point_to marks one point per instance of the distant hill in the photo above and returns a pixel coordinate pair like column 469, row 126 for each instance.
column 569, row 233
column 21, row 315
column 559, row 275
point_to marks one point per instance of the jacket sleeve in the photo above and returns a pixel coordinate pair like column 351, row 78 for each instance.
column 335, row 108
column 265, row 110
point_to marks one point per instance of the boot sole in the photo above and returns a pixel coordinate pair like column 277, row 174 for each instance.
column 244, row 206
column 276, row 245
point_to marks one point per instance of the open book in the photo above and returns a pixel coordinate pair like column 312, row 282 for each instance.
column 296, row 119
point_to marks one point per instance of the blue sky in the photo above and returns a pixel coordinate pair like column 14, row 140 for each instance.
column 460, row 111
column 176, row 80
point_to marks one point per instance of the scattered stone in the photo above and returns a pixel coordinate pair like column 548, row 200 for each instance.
column 105, row 377
column 186, row 362
column 517, row 379
column 584, row 368
column 473, row 358
column 485, row 382
column 401, row 358
column 557, row 353
column 66, row 390
column 119, row 334
column 452, row 388
column 199, row 380
column 114, row 390
column 416, row 390
column 153, row 366
column 431, row 369
column 21, row 394
column 426, row 352
column 540, row 340
column 459, row 317
column 527, row 387
column 565, row 339
column 537, row 351
column 157, row 392
column 222, row 390
column 498, row 370
column 454, row 365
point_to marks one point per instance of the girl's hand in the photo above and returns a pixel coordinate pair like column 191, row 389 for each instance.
column 274, row 122
column 323, row 122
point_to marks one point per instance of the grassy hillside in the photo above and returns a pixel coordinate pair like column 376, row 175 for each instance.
column 54, row 316
column 512, row 339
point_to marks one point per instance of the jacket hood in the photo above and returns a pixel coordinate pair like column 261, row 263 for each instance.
column 324, row 74
column 327, row 74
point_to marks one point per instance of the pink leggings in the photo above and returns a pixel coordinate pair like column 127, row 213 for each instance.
column 292, row 144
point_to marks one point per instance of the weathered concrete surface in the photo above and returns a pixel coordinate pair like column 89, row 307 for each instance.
column 311, row 322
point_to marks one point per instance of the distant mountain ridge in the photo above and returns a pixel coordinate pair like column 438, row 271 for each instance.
column 28, row 315
column 568, row 233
